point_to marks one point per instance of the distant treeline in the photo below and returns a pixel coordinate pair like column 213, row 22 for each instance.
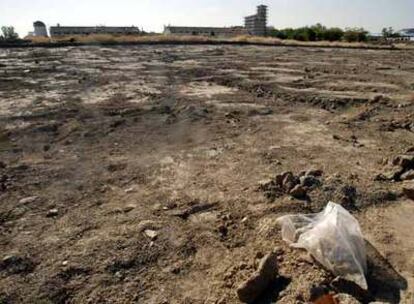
column 319, row 32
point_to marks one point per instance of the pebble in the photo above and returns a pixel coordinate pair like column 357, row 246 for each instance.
column 152, row 234
column 223, row 230
column 52, row 213
column 148, row 225
column 28, row 200
column 130, row 190
column 129, row 208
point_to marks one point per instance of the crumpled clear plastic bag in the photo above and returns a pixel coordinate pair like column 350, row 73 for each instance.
column 333, row 237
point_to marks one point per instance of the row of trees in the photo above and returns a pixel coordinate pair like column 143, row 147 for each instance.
column 319, row 32
column 389, row 33
column 8, row 34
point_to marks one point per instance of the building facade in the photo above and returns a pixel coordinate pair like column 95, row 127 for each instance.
column 204, row 31
column 257, row 24
column 39, row 29
column 253, row 25
column 408, row 34
column 58, row 31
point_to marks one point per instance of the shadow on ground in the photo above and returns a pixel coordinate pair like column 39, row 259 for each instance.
column 272, row 293
column 384, row 282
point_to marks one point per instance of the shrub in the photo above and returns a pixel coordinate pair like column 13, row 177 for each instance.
column 8, row 34
column 317, row 32
column 355, row 35
column 333, row 34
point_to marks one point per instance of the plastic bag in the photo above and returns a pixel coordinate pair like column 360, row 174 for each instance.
column 333, row 237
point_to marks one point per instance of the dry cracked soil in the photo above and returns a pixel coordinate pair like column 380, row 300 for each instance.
column 134, row 174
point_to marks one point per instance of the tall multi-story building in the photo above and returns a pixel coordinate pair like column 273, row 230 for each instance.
column 257, row 24
column 39, row 29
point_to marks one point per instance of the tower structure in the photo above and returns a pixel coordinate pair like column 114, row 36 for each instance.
column 257, row 24
column 40, row 29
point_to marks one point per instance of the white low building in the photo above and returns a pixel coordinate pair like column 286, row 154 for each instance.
column 57, row 31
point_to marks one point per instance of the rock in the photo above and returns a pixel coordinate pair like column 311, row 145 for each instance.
column 52, row 213
column 267, row 273
column 289, row 182
column 344, row 298
column 391, row 174
column 28, row 200
column 263, row 184
column 2, row 165
column 148, row 225
column 281, row 177
column 309, row 181
column 377, row 98
column 223, row 230
column 409, row 175
column 298, row 192
column 128, row 208
column 408, row 190
column 152, row 234
column 196, row 208
column 404, row 161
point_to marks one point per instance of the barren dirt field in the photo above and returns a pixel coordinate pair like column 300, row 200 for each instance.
column 148, row 174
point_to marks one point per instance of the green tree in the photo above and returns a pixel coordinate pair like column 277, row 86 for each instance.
column 319, row 31
column 389, row 33
column 8, row 33
column 333, row 34
column 355, row 35
column 316, row 32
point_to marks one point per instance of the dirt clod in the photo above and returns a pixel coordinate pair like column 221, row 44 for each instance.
column 408, row 190
column 253, row 287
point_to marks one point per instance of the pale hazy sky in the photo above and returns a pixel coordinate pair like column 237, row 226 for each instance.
column 153, row 14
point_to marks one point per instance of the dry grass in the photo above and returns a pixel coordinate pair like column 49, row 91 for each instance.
column 105, row 38
column 35, row 39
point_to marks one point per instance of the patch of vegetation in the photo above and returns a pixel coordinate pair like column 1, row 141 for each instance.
column 389, row 33
column 319, row 32
column 8, row 34
column 355, row 35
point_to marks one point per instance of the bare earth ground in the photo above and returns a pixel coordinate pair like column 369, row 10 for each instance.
column 152, row 158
